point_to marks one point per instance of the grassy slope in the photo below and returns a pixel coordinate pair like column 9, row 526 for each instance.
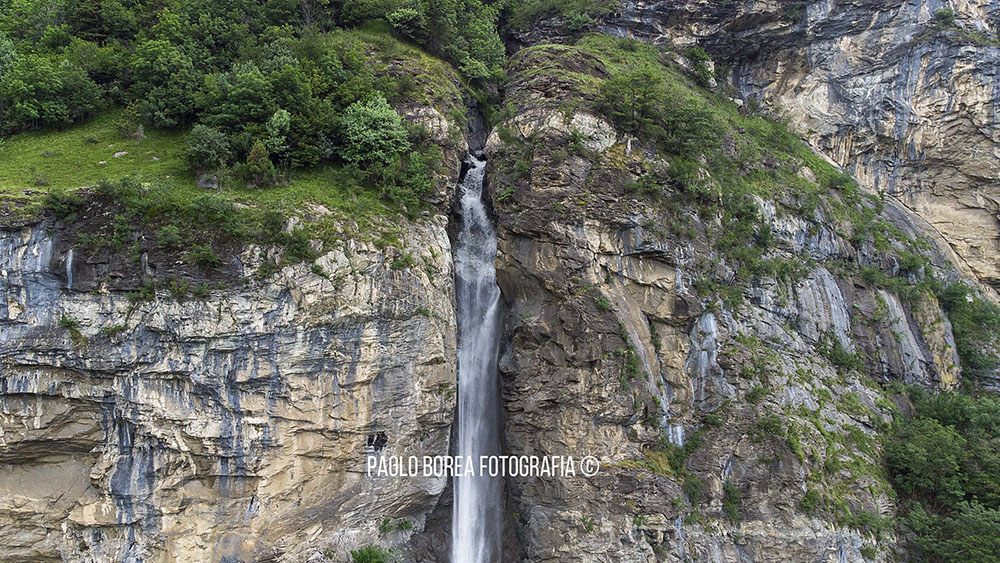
column 37, row 162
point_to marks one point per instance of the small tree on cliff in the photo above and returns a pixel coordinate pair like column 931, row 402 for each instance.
column 633, row 100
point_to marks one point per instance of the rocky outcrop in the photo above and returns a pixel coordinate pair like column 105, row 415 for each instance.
column 901, row 94
column 695, row 408
column 229, row 427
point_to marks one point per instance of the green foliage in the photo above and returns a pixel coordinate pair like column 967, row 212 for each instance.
column 252, row 71
column 258, row 170
column 208, row 148
column 700, row 65
column 770, row 423
column 757, row 394
column 811, row 501
column 370, row 554
column 945, row 463
column 633, row 99
column 692, row 487
column 840, row 356
column 732, row 500
column 373, row 133
column 403, row 262
column 975, row 324
column 165, row 80
column 944, row 18
column 204, row 255
column 63, row 204
column 969, row 532
column 38, row 91
column 525, row 12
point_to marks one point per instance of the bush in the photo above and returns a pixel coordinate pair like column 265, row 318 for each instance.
column 369, row 554
column 732, row 500
column 811, row 501
column 8, row 54
column 208, row 149
column 39, row 91
column 975, row 324
column 946, row 463
column 258, row 170
column 165, row 81
column 410, row 22
column 129, row 124
column 373, row 133
column 700, row 65
column 633, row 101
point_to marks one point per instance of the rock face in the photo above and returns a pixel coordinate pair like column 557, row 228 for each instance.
column 231, row 427
column 901, row 94
column 611, row 351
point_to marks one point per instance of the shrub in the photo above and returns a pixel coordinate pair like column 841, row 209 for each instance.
column 277, row 132
column 410, row 22
column 39, row 91
column 602, row 303
column 164, row 82
column 373, row 133
column 770, row 423
column 946, row 463
column 975, row 324
column 129, row 124
column 700, row 65
column 732, row 500
column 370, row 554
column 633, row 100
column 692, row 487
column 203, row 255
column 8, row 54
column 757, row 394
column 63, row 204
column 811, row 501
column 258, row 170
column 208, row 148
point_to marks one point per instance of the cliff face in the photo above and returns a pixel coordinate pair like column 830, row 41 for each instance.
column 901, row 94
column 694, row 409
column 229, row 427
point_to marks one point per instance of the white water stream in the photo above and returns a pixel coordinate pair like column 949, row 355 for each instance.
column 477, row 506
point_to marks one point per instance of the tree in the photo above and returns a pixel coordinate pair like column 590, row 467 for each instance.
column 208, row 149
column 39, row 91
column 277, row 132
column 372, row 133
column 8, row 55
column 165, row 80
column 259, row 170
column 633, row 101
column 236, row 99
column 700, row 65
column 409, row 21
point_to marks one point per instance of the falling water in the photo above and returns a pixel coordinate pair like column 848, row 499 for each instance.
column 476, row 509
column 69, row 269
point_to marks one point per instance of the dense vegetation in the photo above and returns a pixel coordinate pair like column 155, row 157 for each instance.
column 945, row 464
column 269, row 87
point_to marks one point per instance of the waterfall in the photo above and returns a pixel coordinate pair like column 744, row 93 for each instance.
column 69, row 269
column 476, row 510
